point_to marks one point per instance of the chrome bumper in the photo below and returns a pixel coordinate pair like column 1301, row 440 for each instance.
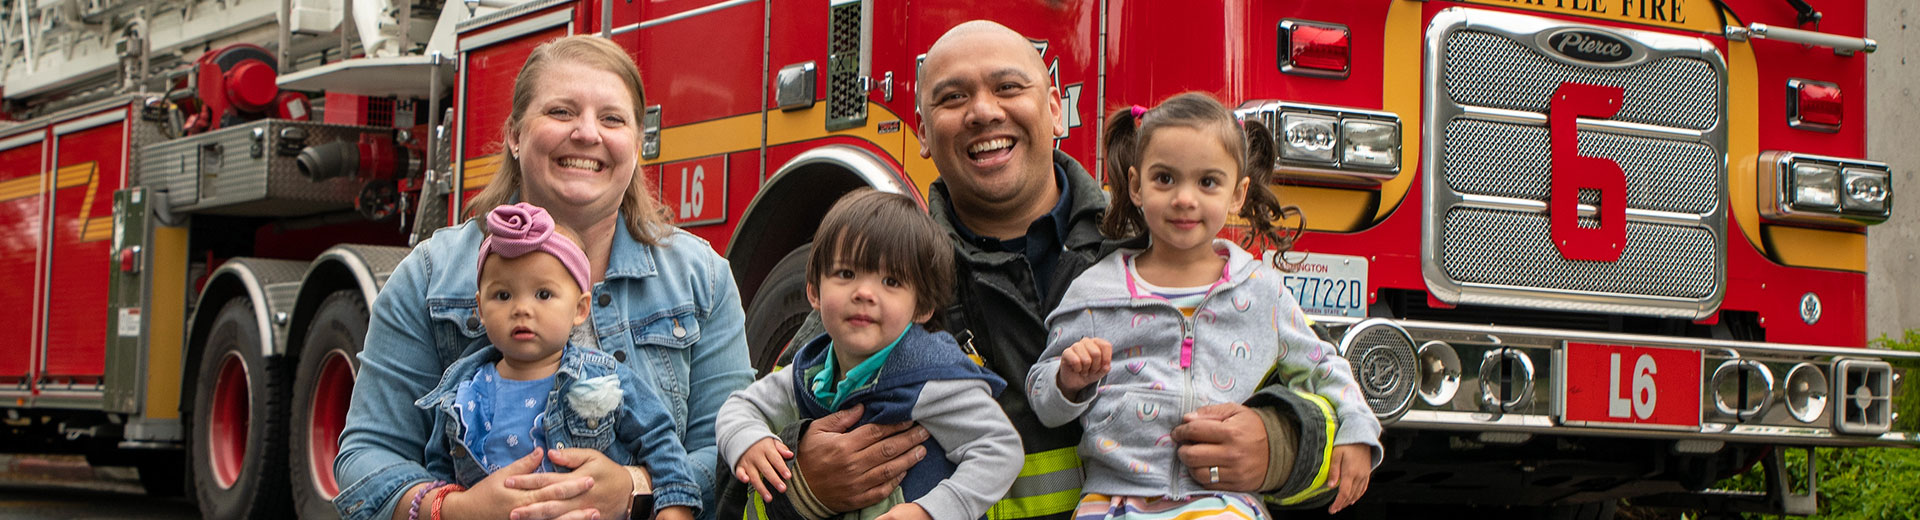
column 1524, row 391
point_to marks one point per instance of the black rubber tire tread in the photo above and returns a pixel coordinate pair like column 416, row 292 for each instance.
column 339, row 323
column 778, row 309
column 260, row 490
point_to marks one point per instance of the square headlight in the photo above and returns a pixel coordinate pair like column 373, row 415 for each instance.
column 1864, row 190
column 1815, row 186
column 1367, row 143
column 1308, row 137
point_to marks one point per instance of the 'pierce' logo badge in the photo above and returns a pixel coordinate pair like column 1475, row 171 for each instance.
column 1591, row 46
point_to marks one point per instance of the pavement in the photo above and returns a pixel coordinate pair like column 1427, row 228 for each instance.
column 64, row 487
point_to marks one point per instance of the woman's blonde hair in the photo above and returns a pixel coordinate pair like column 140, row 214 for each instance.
column 646, row 218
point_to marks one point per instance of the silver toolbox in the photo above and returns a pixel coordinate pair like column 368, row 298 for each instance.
column 250, row 170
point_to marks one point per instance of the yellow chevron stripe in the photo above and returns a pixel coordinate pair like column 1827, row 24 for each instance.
column 70, row 176
column 18, row 188
column 479, row 171
column 89, row 171
column 97, row 229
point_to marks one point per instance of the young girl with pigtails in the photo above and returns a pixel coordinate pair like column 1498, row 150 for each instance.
column 1183, row 319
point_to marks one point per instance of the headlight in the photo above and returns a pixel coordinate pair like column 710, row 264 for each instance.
column 1307, row 137
column 1370, row 144
column 1814, row 187
column 1864, row 190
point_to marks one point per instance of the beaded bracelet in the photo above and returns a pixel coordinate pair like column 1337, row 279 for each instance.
column 440, row 498
column 413, row 513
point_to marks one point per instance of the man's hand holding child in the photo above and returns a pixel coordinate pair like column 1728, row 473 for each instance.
column 1083, row 364
column 764, row 465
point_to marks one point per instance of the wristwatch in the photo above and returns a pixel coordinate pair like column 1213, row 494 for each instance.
column 642, row 505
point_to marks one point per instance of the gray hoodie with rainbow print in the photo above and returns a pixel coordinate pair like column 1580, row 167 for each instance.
column 1248, row 331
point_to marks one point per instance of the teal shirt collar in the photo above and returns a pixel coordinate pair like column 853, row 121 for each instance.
column 830, row 394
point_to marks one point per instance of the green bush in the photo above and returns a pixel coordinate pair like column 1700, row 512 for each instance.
column 1864, row 483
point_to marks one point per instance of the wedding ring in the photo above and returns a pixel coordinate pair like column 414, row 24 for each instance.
column 1213, row 474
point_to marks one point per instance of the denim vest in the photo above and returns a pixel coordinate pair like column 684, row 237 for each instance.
column 669, row 312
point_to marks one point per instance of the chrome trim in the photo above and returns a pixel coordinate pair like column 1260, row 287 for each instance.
column 680, row 16
column 794, row 89
column 1523, row 376
column 476, row 23
column 1345, row 349
column 1439, row 196
column 1817, row 402
column 1522, row 117
column 1774, row 424
column 1726, row 370
column 22, row 140
column 870, row 168
column 1268, row 112
column 1449, row 360
column 1876, row 423
column 528, row 26
column 96, row 121
column 1283, row 54
column 1841, row 45
column 1774, row 189
column 1586, row 210
column 650, row 132
column 1744, row 433
column 1793, row 106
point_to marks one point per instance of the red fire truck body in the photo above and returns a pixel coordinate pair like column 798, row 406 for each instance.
column 1575, row 250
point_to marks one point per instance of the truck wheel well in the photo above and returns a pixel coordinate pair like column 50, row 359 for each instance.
column 786, row 212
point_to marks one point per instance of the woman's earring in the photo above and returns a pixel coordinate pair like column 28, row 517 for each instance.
column 515, row 154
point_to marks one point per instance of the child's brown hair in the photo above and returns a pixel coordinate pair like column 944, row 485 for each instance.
column 884, row 232
column 1130, row 129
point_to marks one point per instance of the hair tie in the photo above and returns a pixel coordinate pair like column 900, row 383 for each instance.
column 1139, row 112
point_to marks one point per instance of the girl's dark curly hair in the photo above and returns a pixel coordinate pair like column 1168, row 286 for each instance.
column 1127, row 136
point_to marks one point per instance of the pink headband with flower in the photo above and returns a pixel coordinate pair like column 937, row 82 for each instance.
column 524, row 228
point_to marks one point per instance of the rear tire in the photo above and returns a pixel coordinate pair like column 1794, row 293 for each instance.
column 238, row 447
column 322, row 386
column 778, row 309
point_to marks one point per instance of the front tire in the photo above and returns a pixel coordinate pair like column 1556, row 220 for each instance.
column 238, row 447
column 778, row 309
column 322, row 387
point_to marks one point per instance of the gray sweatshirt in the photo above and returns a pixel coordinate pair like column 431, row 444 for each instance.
column 1247, row 327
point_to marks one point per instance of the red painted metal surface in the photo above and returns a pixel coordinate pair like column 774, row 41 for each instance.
column 89, row 166
column 702, row 67
column 1623, row 384
column 20, row 215
column 1573, row 173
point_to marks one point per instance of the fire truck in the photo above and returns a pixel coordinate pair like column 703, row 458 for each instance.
column 1575, row 250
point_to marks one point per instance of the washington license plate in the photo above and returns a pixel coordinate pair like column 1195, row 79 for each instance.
column 1330, row 285
column 1631, row 386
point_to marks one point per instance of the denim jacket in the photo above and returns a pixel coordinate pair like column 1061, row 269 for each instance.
column 640, row 424
column 669, row 312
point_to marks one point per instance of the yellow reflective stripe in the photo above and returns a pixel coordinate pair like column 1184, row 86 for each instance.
column 758, row 511
column 1050, row 461
column 1050, row 503
column 1326, row 449
column 1027, row 507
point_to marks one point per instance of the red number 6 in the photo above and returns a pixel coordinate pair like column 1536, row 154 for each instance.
column 1573, row 172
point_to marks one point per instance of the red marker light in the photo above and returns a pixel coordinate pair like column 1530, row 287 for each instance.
column 1814, row 105
column 1315, row 49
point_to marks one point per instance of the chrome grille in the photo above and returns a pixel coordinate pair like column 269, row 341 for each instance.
column 1509, row 160
column 1512, row 248
column 1491, row 70
column 1488, row 156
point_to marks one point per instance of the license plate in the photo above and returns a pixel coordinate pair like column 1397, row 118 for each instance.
column 1329, row 285
column 1618, row 385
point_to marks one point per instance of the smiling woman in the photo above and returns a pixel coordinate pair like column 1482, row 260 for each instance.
column 663, row 309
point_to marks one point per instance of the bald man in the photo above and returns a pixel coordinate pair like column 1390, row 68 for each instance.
column 1024, row 219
